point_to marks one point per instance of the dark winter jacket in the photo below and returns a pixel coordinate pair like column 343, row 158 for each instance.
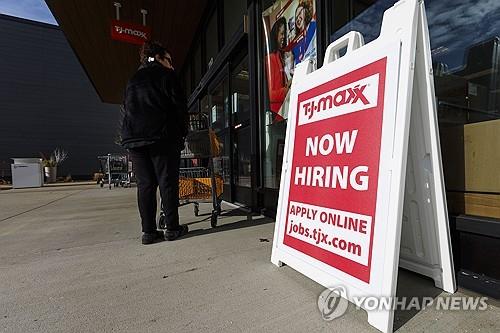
column 155, row 108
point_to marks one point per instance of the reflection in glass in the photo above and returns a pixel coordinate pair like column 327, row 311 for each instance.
column 465, row 48
column 197, row 65
column 241, row 124
column 219, row 119
column 234, row 10
column 211, row 40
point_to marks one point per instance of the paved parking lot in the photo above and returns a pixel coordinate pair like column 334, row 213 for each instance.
column 71, row 261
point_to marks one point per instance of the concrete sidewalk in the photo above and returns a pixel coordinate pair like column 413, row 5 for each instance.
column 71, row 261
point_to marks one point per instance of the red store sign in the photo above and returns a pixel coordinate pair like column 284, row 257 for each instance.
column 333, row 192
column 129, row 32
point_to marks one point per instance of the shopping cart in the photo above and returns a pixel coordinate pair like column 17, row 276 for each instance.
column 197, row 180
column 116, row 170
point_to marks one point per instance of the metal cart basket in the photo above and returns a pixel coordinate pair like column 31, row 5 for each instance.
column 197, row 180
column 116, row 170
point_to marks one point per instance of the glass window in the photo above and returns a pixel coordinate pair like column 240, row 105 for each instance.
column 240, row 92
column 219, row 112
column 242, row 157
column 197, row 66
column 339, row 12
column 187, row 81
column 234, row 10
column 196, row 120
column 289, row 28
column 240, row 89
column 205, row 108
column 465, row 47
column 211, row 40
column 219, row 120
column 358, row 6
column 368, row 22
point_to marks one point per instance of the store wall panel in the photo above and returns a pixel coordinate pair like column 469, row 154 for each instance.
column 47, row 101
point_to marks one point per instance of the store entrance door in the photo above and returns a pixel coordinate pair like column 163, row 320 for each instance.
column 228, row 106
column 241, row 132
column 218, row 108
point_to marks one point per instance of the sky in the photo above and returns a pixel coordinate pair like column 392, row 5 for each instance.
column 453, row 29
column 35, row 10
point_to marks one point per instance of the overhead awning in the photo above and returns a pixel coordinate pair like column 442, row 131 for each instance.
column 110, row 63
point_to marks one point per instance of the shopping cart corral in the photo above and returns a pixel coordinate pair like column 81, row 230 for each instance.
column 197, row 180
column 116, row 170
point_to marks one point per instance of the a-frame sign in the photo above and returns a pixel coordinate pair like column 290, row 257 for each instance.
column 362, row 187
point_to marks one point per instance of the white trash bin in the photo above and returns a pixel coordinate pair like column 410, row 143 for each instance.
column 27, row 172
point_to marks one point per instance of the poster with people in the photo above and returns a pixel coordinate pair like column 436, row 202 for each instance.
column 290, row 38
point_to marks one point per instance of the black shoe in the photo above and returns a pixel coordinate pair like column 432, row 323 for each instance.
column 171, row 235
column 154, row 237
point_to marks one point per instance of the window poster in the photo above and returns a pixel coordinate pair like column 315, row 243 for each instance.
column 290, row 38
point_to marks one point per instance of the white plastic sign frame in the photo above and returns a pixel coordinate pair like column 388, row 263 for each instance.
column 344, row 211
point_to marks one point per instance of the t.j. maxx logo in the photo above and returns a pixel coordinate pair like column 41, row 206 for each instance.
column 349, row 95
column 352, row 97
column 131, row 32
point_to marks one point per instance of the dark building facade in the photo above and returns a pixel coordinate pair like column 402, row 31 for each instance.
column 47, row 101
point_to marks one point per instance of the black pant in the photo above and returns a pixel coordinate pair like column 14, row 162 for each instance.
column 157, row 165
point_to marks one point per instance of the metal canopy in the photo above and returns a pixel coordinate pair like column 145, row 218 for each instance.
column 109, row 63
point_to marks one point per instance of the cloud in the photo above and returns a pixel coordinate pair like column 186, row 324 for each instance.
column 453, row 29
column 35, row 10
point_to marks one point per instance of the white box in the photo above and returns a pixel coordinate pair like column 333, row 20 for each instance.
column 26, row 174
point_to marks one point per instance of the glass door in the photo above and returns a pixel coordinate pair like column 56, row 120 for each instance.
column 217, row 106
column 227, row 106
column 240, row 124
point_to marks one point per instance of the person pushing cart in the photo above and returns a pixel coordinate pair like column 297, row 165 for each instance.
column 198, row 181
column 153, row 128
